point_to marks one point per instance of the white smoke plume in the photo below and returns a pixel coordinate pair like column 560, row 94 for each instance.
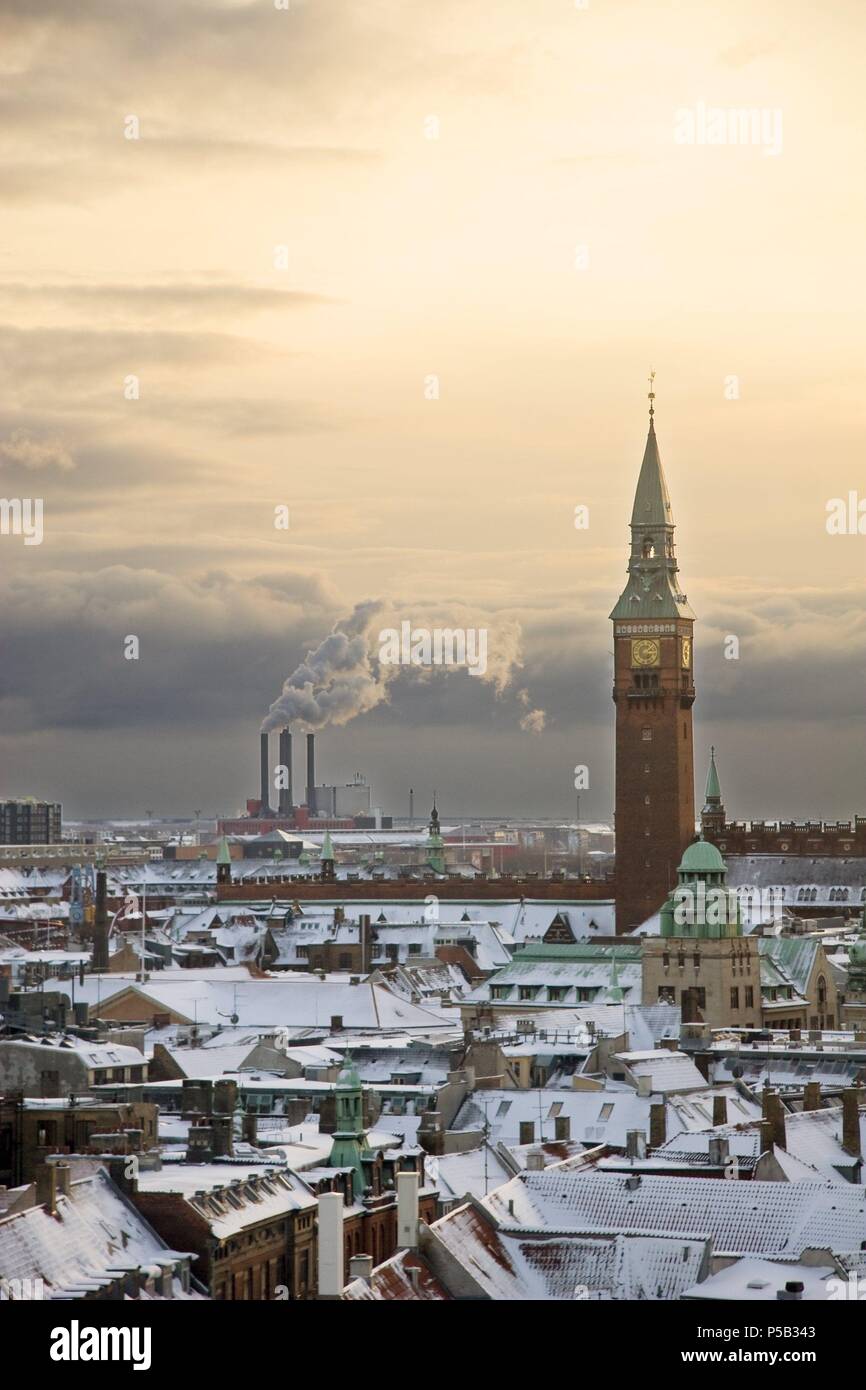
column 343, row 677
column 337, row 681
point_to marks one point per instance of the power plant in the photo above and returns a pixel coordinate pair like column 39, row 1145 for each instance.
column 329, row 806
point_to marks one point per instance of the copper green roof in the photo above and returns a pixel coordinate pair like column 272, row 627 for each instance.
column 714, row 791
column 701, row 857
column 652, row 591
column 652, row 502
column 327, row 847
column 223, row 855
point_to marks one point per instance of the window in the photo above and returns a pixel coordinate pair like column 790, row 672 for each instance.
column 735, row 997
column 605, row 1112
column 750, row 997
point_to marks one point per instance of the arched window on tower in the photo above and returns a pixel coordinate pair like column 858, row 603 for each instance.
column 649, row 548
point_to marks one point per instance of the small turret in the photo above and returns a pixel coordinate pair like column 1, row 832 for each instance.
column 224, row 862
column 328, row 870
column 713, row 814
column 435, row 843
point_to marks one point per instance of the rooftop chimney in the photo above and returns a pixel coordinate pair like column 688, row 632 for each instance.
column 265, row 767
column 535, row 1161
column 720, row 1110
column 311, row 773
column 407, row 1209
column 719, row 1151
column 286, row 802
column 331, row 1279
column 635, row 1144
column 100, row 925
column 361, row 1267
column 812, row 1095
column 851, row 1121
column 658, row 1123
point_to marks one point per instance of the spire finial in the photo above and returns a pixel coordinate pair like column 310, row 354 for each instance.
column 651, row 395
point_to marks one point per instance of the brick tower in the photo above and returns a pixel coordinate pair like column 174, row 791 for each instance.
column 653, row 691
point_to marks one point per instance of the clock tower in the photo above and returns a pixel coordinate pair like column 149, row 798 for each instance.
column 653, row 689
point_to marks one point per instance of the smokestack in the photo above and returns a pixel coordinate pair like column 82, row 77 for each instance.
column 311, row 773
column 286, row 802
column 100, row 923
column 265, row 763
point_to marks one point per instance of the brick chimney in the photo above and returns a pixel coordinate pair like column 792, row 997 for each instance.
column 851, row 1121
column 658, row 1124
column 100, row 923
column 46, row 1188
column 812, row 1095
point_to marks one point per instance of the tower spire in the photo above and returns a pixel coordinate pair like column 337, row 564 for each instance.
column 651, row 395
column 714, row 791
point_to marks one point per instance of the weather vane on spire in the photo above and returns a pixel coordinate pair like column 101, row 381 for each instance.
column 651, row 395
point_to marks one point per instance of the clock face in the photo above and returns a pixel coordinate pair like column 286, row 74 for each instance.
column 645, row 652
column 687, row 653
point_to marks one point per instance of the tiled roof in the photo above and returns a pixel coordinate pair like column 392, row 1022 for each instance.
column 94, row 1232
column 509, row 1266
column 762, row 1218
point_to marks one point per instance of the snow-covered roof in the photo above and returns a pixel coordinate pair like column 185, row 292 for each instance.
column 94, row 1235
column 760, row 1218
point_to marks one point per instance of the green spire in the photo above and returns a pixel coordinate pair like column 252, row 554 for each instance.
column 350, row 1137
column 615, row 991
column 652, row 590
column 714, row 791
column 652, row 502
column 327, row 847
column 223, row 854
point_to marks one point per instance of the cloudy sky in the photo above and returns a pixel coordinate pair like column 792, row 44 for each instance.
column 326, row 207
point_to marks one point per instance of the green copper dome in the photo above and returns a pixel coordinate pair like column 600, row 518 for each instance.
column 701, row 858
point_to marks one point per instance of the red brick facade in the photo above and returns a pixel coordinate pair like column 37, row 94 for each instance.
column 655, row 797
